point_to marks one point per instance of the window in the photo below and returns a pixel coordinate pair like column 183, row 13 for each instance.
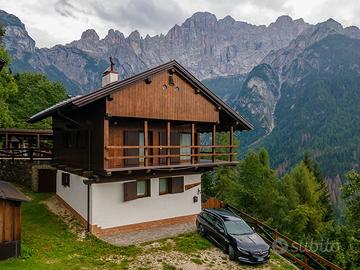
column 136, row 189
column 143, row 188
column 238, row 227
column 185, row 140
column 218, row 224
column 65, row 179
column 164, row 186
column 141, row 143
column 210, row 218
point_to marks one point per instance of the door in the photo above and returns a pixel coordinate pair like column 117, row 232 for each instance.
column 174, row 141
column 46, row 180
column 131, row 138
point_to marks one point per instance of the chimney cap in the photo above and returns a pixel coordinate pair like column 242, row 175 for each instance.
column 111, row 68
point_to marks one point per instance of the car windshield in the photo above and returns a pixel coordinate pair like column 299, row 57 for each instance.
column 238, row 227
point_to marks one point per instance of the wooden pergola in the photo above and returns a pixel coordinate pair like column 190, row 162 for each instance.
column 27, row 136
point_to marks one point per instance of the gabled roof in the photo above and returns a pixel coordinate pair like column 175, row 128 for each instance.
column 9, row 192
column 80, row 101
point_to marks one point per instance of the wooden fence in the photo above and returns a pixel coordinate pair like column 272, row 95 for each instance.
column 30, row 154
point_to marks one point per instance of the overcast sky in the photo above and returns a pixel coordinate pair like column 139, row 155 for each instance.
column 52, row 22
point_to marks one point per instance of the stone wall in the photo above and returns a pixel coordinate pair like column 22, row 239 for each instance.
column 17, row 171
column 22, row 172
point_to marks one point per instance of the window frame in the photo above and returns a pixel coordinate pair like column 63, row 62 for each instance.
column 147, row 188
column 168, row 185
column 220, row 222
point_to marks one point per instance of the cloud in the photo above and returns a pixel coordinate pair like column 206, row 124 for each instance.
column 67, row 9
column 146, row 15
column 46, row 37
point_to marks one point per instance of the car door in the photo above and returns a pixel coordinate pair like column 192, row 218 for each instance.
column 211, row 231
column 220, row 232
column 206, row 222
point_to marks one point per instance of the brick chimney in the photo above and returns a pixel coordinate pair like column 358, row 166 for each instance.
column 109, row 75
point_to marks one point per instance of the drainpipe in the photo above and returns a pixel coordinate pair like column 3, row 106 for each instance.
column 88, row 207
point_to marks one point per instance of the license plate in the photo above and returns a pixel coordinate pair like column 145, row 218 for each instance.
column 260, row 259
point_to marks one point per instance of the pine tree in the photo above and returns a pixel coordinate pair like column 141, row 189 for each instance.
column 325, row 200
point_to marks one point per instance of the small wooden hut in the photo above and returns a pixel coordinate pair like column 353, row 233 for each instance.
column 10, row 220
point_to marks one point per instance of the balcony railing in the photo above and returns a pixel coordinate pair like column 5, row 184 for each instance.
column 30, row 154
column 197, row 154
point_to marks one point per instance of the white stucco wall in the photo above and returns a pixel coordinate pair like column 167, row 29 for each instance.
column 75, row 195
column 110, row 210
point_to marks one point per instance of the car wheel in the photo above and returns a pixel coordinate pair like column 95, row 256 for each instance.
column 231, row 253
column 201, row 230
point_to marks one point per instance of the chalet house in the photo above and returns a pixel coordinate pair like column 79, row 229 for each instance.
column 130, row 155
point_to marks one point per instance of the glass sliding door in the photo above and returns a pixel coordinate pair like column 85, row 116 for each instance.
column 185, row 140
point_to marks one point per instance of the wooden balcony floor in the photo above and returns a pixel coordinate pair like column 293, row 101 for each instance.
column 202, row 164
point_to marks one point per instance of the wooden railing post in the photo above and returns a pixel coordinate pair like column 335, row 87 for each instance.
column 106, row 140
column 146, row 143
column 231, row 142
column 38, row 141
column 198, row 150
column 168, row 143
column 192, row 143
column 6, row 140
column 31, row 154
column 213, row 143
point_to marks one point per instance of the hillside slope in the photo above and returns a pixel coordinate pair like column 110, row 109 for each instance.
column 309, row 101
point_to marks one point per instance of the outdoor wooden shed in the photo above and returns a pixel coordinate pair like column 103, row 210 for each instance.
column 10, row 220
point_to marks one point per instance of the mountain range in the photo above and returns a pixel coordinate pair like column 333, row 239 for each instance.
column 208, row 47
column 298, row 83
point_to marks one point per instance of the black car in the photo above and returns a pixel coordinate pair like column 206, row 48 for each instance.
column 233, row 235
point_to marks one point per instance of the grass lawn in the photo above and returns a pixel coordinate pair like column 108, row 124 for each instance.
column 47, row 243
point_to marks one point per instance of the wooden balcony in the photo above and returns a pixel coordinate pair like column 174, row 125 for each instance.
column 198, row 156
column 159, row 146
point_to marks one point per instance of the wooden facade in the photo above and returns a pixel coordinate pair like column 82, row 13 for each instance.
column 10, row 220
column 161, row 100
column 152, row 121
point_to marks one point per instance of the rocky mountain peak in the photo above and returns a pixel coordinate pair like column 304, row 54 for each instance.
column 113, row 37
column 284, row 19
column 330, row 24
column 134, row 35
column 16, row 38
column 200, row 20
column 228, row 20
column 90, row 35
